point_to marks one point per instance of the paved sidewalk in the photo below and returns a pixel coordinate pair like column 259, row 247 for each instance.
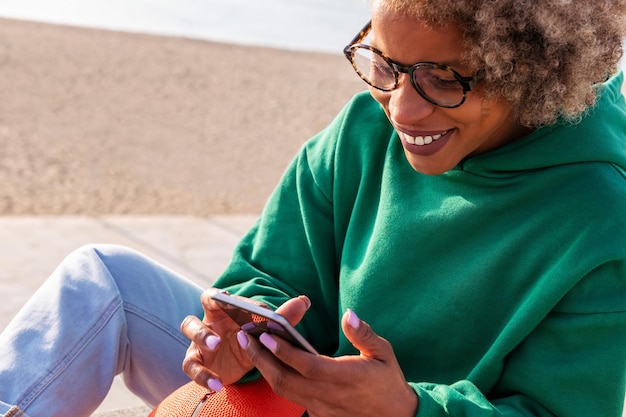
column 31, row 247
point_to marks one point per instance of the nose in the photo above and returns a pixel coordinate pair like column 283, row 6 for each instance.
column 406, row 105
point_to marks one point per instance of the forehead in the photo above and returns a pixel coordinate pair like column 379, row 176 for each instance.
column 407, row 39
column 427, row 10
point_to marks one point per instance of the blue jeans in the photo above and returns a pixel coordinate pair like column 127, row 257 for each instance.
column 105, row 310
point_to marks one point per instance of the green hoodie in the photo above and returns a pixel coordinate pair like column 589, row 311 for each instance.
column 501, row 284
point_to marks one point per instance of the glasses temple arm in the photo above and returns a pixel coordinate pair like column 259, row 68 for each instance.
column 362, row 34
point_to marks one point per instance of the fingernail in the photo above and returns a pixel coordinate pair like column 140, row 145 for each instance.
column 242, row 339
column 353, row 319
column 212, row 341
column 248, row 327
column 269, row 342
column 214, row 384
column 307, row 300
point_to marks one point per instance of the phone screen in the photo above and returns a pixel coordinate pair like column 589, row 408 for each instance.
column 255, row 320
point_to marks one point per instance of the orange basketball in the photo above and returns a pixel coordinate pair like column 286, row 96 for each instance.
column 252, row 399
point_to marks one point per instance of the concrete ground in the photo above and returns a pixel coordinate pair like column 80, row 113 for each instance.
column 141, row 411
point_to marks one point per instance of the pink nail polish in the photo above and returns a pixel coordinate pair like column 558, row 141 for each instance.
column 269, row 342
column 242, row 339
column 212, row 341
column 214, row 384
column 353, row 319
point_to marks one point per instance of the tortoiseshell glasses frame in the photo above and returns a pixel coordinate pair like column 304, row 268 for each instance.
column 438, row 84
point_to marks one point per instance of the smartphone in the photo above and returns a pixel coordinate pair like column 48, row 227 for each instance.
column 254, row 320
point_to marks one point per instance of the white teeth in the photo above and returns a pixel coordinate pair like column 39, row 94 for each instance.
column 423, row 140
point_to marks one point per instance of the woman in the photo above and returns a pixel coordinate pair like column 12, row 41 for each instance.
column 488, row 273
column 490, row 269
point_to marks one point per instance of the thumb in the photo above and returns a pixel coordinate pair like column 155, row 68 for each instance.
column 362, row 337
column 294, row 309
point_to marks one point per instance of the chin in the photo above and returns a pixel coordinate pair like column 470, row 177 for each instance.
column 428, row 167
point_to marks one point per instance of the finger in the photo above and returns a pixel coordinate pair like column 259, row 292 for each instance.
column 310, row 366
column 216, row 314
column 363, row 337
column 294, row 309
column 193, row 366
column 272, row 356
column 209, row 305
column 199, row 333
column 264, row 360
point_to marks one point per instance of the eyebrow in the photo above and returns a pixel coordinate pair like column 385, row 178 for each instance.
column 455, row 63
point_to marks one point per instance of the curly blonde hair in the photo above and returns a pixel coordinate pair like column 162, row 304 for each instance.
column 545, row 57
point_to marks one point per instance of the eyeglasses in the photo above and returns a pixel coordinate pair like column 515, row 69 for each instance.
column 436, row 83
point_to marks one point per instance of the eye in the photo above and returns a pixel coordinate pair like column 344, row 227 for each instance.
column 440, row 80
column 380, row 68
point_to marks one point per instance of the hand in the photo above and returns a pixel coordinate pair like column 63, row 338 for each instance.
column 214, row 356
column 371, row 384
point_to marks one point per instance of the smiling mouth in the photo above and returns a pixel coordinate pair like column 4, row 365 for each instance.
column 423, row 140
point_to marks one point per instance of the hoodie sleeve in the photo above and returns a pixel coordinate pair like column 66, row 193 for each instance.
column 295, row 246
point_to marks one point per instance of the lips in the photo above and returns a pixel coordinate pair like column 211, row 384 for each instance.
column 423, row 140
column 424, row 143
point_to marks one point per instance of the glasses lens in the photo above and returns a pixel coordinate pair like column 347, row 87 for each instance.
column 373, row 68
column 439, row 85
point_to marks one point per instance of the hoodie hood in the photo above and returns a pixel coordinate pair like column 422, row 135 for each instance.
column 599, row 137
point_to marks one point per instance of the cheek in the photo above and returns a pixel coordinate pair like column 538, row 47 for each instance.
column 472, row 114
column 381, row 97
column 493, row 115
column 487, row 108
